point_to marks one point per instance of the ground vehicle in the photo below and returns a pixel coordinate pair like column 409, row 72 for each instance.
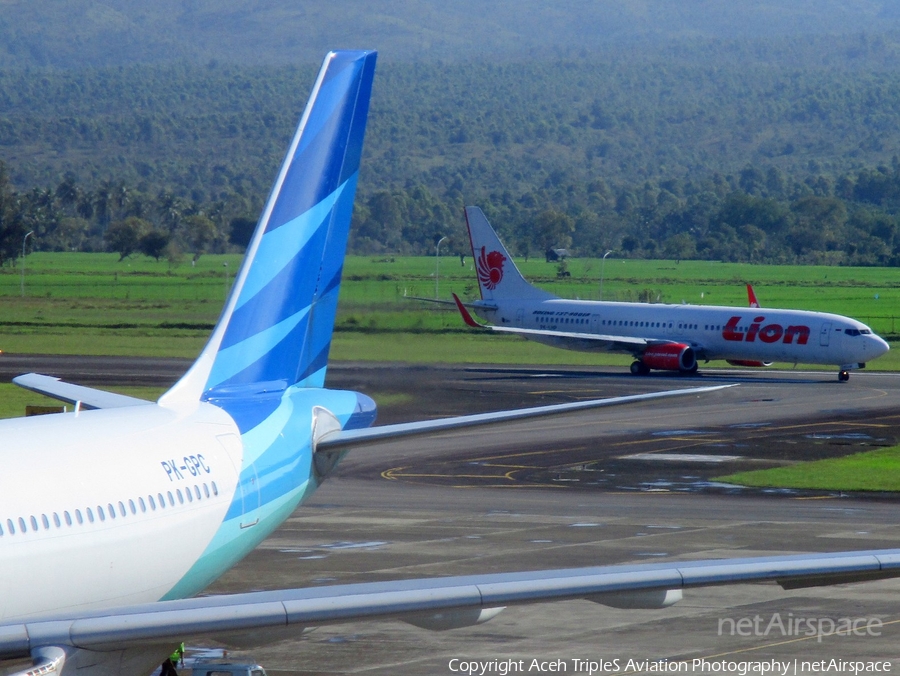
column 226, row 669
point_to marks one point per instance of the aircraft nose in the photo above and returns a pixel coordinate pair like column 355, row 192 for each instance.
column 877, row 346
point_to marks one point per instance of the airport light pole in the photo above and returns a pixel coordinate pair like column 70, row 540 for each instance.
column 437, row 265
column 24, row 239
column 602, row 264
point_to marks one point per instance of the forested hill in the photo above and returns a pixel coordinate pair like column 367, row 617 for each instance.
column 781, row 147
column 78, row 33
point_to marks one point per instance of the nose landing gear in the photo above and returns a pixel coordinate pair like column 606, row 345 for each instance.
column 843, row 376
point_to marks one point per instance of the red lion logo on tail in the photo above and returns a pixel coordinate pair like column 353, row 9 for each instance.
column 490, row 268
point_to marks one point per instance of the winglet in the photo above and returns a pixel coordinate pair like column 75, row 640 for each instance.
column 751, row 296
column 467, row 317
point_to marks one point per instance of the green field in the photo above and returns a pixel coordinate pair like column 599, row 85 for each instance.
column 79, row 303
column 877, row 470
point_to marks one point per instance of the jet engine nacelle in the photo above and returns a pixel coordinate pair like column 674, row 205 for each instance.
column 670, row 357
column 748, row 363
column 650, row 599
column 452, row 619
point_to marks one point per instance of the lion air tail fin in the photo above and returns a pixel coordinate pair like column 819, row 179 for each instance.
column 498, row 276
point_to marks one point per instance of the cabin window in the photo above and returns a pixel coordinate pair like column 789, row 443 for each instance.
column 112, row 511
column 215, row 489
column 187, row 492
column 197, row 491
column 90, row 515
column 162, row 500
column 68, row 518
column 78, row 517
column 45, row 521
column 34, row 524
column 101, row 513
column 132, row 507
column 180, row 496
column 152, row 502
column 11, row 527
column 56, row 521
column 171, row 499
column 206, row 490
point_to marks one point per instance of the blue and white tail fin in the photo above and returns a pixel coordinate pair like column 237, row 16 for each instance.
column 275, row 330
column 498, row 276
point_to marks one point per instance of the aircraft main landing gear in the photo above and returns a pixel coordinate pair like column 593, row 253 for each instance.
column 843, row 376
column 639, row 368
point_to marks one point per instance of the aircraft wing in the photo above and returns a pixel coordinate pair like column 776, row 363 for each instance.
column 437, row 603
column 571, row 339
column 345, row 439
column 73, row 394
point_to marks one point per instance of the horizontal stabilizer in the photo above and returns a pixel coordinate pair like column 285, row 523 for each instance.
column 481, row 305
column 346, row 439
column 73, row 394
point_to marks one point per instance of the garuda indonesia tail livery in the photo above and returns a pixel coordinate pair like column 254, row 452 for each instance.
column 664, row 337
column 91, row 501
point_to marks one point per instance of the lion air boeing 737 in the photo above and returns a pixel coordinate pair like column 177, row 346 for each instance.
column 92, row 501
column 664, row 337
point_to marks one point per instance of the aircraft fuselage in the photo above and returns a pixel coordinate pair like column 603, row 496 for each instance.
column 714, row 332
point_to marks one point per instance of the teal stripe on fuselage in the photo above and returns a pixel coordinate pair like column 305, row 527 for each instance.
column 231, row 543
column 278, row 453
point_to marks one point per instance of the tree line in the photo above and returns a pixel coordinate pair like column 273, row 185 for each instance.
column 757, row 216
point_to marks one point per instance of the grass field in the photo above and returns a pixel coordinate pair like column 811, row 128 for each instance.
column 95, row 304
column 877, row 470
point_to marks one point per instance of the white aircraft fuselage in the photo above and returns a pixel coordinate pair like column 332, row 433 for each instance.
column 715, row 332
column 101, row 506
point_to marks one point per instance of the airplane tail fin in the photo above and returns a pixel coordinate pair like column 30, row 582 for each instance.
column 498, row 276
column 275, row 330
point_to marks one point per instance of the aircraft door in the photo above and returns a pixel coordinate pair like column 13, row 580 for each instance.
column 250, row 497
column 520, row 317
column 825, row 334
column 595, row 323
column 247, row 480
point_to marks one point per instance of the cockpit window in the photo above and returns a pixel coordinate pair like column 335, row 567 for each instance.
column 851, row 332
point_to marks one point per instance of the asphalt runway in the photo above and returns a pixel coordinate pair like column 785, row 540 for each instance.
column 612, row 486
